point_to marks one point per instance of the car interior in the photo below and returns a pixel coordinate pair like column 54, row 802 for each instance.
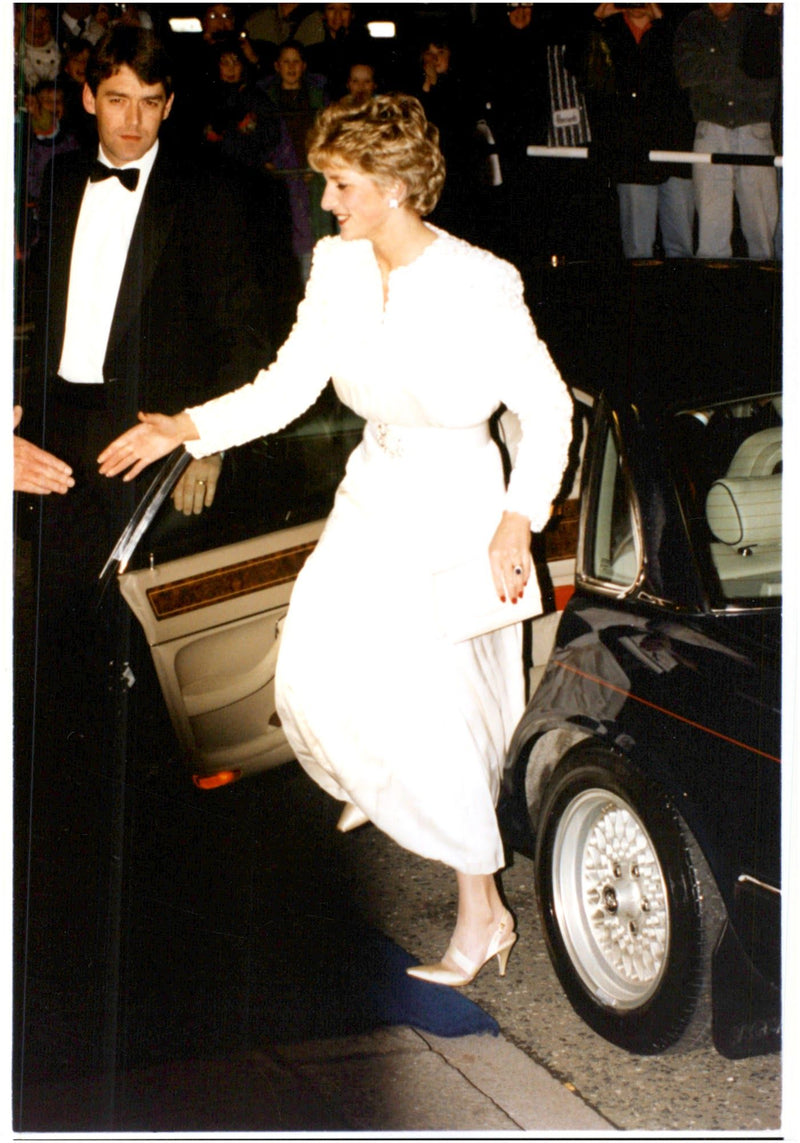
column 744, row 514
column 737, row 486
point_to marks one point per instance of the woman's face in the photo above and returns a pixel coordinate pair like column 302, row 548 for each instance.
column 360, row 206
column 436, row 57
column 75, row 66
column 230, row 68
column 290, row 66
column 338, row 16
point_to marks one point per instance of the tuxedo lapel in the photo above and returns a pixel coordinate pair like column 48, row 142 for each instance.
column 154, row 223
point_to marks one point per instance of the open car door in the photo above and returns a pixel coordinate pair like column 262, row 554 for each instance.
column 211, row 591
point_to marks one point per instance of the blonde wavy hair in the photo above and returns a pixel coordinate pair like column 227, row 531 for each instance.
column 389, row 139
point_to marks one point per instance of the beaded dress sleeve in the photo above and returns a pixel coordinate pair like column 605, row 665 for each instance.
column 292, row 383
column 532, row 387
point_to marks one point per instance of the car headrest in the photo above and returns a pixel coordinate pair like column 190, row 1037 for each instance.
column 745, row 510
column 759, row 455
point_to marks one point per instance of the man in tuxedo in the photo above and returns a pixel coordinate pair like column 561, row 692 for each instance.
column 144, row 298
column 145, row 292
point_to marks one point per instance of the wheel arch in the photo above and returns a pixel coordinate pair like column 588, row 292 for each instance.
column 544, row 753
column 550, row 746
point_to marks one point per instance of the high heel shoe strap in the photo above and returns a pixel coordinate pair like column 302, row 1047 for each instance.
column 502, row 938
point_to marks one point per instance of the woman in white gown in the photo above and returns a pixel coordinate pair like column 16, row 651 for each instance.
column 424, row 336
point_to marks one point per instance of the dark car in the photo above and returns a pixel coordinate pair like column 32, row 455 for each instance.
column 644, row 778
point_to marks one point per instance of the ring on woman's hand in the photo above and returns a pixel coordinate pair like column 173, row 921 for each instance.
column 200, row 483
column 517, row 570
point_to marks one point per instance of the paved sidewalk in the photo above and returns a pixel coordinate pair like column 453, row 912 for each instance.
column 391, row 1080
column 399, row 1079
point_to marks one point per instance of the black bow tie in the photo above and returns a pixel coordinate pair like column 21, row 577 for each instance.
column 129, row 176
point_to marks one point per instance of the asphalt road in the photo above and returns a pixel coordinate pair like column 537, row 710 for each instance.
column 412, row 900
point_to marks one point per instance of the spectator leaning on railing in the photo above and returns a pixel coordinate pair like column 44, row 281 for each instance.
column 623, row 60
column 732, row 110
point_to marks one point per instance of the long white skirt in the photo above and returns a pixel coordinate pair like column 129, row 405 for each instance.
column 379, row 707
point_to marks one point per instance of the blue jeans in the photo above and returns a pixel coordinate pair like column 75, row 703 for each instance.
column 755, row 189
column 641, row 206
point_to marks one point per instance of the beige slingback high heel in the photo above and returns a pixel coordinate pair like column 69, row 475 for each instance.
column 351, row 818
column 500, row 945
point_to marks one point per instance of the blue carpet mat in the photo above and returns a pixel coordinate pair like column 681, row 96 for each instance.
column 393, row 997
column 309, row 978
column 354, row 980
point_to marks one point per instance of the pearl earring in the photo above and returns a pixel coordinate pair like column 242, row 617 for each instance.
column 393, row 204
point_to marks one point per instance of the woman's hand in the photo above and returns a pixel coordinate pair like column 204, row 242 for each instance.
column 510, row 556
column 196, row 488
column 154, row 437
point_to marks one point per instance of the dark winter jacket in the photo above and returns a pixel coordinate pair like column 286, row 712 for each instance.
column 633, row 99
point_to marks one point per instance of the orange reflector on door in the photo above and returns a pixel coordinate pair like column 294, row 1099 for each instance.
column 563, row 595
column 213, row 781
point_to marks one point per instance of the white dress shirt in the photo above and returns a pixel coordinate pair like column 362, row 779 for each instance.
column 102, row 236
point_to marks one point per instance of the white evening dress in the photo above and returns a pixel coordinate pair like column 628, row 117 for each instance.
column 379, row 706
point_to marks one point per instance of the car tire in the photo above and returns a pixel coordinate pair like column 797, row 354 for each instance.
column 629, row 907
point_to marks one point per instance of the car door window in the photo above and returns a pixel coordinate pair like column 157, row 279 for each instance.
column 272, row 483
column 614, row 554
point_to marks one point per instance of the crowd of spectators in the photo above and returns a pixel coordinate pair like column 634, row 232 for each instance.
column 621, row 80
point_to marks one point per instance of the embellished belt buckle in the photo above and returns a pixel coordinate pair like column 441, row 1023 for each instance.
column 388, row 440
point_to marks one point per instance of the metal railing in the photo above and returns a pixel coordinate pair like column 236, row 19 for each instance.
column 542, row 152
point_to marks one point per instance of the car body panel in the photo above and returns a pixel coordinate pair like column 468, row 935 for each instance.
column 671, row 657
column 628, row 680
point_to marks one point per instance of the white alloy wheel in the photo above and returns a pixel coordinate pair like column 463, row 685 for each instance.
column 610, row 897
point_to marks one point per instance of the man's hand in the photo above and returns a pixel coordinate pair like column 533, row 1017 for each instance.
column 196, row 488
column 35, row 470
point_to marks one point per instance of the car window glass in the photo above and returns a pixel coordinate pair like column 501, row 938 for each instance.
column 274, row 482
column 615, row 548
column 731, row 465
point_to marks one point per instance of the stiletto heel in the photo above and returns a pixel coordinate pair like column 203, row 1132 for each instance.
column 502, row 941
column 503, row 955
column 351, row 818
